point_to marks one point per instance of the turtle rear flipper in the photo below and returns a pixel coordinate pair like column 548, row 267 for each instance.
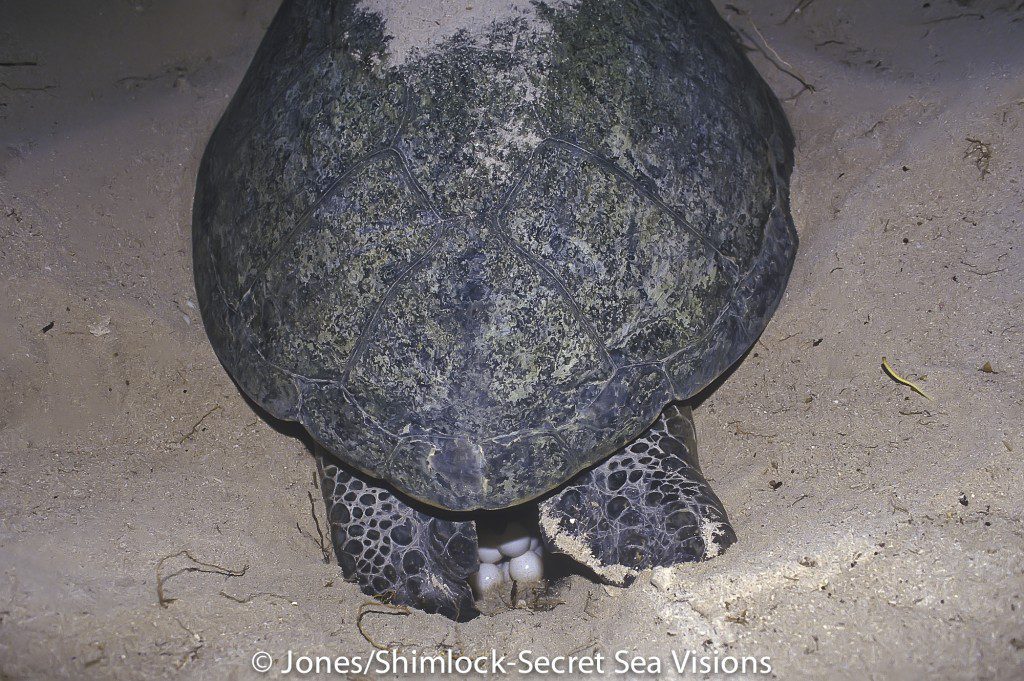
column 646, row 506
column 395, row 552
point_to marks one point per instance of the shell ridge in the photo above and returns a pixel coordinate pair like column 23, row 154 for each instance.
column 737, row 301
column 545, row 273
column 364, row 335
column 300, row 224
column 611, row 166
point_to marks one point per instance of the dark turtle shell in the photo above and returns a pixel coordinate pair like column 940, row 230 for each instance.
column 478, row 271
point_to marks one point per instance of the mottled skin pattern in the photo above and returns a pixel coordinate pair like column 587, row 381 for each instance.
column 395, row 552
column 646, row 506
column 479, row 272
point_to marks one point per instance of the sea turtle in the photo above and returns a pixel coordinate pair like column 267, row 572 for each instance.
column 485, row 257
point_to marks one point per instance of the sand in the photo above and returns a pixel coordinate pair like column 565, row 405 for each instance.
column 421, row 24
column 880, row 532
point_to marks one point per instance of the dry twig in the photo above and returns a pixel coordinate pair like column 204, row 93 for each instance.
column 198, row 423
column 891, row 373
column 776, row 60
column 320, row 539
column 383, row 609
column 200, row 566
column 245, row 599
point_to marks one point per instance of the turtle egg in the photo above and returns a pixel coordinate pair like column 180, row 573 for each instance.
column 526, row 568
column 514, row 541
column 486, row 578
column 488, row 554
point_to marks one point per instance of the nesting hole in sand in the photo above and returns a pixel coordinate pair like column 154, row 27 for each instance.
column 516, row 570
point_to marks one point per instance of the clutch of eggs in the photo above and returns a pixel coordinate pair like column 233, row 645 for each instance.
column 511, row 556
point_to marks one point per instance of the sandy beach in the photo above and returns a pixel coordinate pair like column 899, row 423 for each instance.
column 880, row 531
